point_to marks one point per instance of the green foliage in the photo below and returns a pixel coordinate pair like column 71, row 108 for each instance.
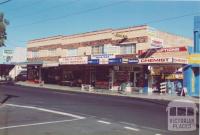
column 3, row 24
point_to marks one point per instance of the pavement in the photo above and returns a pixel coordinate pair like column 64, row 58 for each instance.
column 44, row 111
column 152, row 96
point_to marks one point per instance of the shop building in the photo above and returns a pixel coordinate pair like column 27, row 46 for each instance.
column 106, row 58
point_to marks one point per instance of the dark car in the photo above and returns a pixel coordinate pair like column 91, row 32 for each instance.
column 22, row 76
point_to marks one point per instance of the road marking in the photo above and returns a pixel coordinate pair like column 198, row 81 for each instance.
column 158, row 134
column 104, row 122
column 130, row 128
column 36, row 124
column 143, row 127
column 48, row 110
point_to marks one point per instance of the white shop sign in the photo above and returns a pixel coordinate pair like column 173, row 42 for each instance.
column 100, row 56
column 50, row 64
column 73, row 60
column 156, row 43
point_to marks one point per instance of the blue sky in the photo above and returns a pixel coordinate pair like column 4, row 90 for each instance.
column 30, row 19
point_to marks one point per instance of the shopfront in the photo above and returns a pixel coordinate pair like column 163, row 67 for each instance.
column 51, row 72
column 34, row 72
column 165, row 74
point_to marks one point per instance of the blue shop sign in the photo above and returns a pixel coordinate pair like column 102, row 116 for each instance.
column 115, row 61
column 133, row 61
column 93, row 61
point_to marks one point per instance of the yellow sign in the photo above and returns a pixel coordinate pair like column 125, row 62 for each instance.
column 174, row 76
column 194, row 59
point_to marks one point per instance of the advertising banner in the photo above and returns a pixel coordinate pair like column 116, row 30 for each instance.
column 73, row 60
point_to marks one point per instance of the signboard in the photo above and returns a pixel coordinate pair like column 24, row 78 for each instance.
column 74, row 60
column 155, row 60
column 8, row 52
column 94, row 61
column 194, row 59
column 50, row 64
column 165, row 50
column 174, row 76
column 156, row 42
column 103, row 61
column 132, row 61
column 115, row 61
column 108, row 56
column 180, row 60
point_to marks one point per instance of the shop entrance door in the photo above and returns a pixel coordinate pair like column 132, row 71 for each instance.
column 92, row 77
column 134, row 76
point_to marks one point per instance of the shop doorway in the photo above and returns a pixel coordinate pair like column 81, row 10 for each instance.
column 134, row 77
column 92, row 77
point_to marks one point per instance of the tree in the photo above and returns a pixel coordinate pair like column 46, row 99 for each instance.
column 3, row 24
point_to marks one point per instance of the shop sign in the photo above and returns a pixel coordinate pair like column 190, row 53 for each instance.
column 73, row 60
column 50, row 64
column 115, row 61
column 174, row 76
column 124, row 60
column 156, row 42
column 165, row 50
column 194, row 59
column 103, row 61
column 155, row 60
column 8, row 52
column 93, row 61
column 180, row 60
column 108, row 56
column 132, row 61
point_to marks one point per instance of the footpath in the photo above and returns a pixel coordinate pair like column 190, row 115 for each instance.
column 152, row 96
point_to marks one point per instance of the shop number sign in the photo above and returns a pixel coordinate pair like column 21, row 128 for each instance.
column 73, row 60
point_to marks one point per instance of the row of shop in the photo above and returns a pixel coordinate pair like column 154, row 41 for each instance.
column 144, row 74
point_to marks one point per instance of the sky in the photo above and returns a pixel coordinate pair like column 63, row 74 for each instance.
column 33, row 19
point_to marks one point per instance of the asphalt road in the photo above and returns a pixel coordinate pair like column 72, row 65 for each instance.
column 37, row 111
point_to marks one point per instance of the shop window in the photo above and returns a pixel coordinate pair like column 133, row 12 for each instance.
column 72, row 52
column 97, row 50
column 127, row 49
column 52, row 52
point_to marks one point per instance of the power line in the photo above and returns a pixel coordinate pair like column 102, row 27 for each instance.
column 172, row 18
column 25, row 6
column 4, row 1
column 47, row 9
column 68, row 15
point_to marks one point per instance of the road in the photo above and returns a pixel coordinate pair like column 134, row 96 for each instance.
column 38, row 111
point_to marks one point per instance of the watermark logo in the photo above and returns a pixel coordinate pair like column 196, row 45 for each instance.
column 182, row 115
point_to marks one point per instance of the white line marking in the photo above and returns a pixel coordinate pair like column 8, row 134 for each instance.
column 48, row 110
column 130, row 128
column 104, row 122
column 158, row 134
column 36, row 124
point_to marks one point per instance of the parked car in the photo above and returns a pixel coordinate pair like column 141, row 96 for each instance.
column 22, row 76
